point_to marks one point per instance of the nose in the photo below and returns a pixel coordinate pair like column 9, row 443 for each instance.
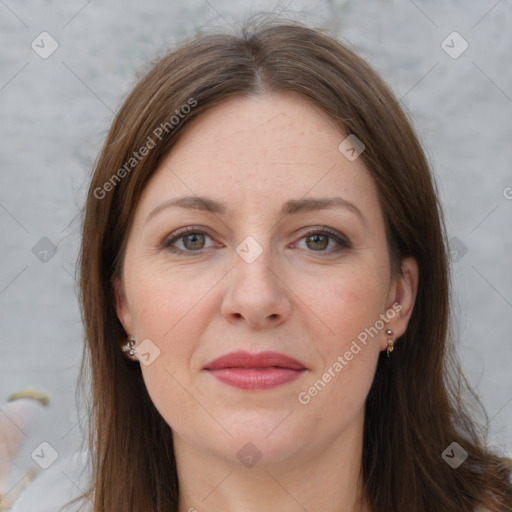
column 256, row 294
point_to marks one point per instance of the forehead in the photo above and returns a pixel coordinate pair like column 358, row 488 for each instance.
column 277, row 129
column 256, row 152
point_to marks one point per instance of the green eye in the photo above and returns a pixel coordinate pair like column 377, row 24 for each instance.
column 194, row 241
column 318, row 240
column 191, row 239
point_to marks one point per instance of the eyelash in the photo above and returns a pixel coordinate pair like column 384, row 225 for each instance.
column 342, row 242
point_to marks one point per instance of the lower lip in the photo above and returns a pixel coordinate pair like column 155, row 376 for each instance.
column 254, row 378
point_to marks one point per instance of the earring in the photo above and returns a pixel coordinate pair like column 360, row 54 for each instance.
column 128, row 348
column 391, row 343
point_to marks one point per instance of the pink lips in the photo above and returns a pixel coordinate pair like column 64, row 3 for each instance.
column 255, row 371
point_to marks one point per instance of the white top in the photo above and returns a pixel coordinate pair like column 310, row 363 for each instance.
column 54, row 487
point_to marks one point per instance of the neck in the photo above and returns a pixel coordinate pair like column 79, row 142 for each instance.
column 325, row 480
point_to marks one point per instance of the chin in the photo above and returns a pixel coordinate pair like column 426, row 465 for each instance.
column 261, row 452
column 268, row 438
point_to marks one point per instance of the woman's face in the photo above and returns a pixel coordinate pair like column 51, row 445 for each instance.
column 270, row 266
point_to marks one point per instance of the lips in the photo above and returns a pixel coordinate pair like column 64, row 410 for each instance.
column 261, row 360
column 255, row 371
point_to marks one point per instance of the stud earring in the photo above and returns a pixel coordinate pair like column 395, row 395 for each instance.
column 391, row 343
column 128, row 348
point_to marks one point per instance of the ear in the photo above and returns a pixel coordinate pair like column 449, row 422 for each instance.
column 122, row 307
column 403, row 293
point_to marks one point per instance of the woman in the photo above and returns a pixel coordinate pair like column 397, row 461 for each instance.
column 265, row 293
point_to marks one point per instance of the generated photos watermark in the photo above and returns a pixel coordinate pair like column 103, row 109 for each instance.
column 149, row 144
column 342, row 361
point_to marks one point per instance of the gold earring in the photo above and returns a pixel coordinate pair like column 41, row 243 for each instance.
column 391, row 343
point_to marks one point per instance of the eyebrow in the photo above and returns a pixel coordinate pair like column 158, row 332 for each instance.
column 293, row 206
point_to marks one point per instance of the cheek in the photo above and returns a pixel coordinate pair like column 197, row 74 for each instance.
column 348, row 302
column 166, row 300
column 339, row 386
column 173, row 310
column 350, row 305
column 170, row 310
column 169, row 393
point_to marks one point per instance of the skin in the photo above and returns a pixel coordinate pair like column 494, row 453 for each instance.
column 300, row 297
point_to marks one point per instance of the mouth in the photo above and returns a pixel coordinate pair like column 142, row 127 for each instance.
column 261, row 371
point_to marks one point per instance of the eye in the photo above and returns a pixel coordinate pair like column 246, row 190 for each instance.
column 191, row 240
column 318, row 240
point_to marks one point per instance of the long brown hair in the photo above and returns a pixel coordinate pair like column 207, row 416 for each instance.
column 418, row 404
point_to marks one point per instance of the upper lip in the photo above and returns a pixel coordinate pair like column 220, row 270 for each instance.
column 260, row 360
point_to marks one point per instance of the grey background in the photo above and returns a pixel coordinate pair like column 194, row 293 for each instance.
column 55, row 113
